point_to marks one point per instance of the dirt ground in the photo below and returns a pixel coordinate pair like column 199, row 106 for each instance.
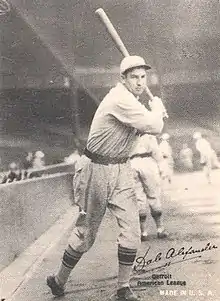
column 191, row 215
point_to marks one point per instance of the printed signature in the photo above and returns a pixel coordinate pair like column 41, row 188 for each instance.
column 169, row 257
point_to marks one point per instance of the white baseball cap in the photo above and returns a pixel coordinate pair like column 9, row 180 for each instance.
column 13, row 165
column 132, row 61
column 39, row 154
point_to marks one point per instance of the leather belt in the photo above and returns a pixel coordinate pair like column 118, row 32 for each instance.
column 104, row 160
column 144, row 155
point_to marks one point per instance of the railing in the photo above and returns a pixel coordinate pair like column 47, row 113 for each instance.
column 47, row 170
column 28, row 208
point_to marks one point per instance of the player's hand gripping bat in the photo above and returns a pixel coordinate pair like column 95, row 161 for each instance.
column 117, row 40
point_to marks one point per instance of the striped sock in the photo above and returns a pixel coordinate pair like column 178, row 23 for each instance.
column 70, row 259
column 126, row 259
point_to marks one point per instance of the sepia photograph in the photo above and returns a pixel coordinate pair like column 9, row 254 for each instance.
column 109, row 150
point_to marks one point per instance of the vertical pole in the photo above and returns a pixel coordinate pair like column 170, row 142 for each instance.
column 75, row 115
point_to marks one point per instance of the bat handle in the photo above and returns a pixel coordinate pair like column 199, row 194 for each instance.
column 152, row 97
column 149, row 93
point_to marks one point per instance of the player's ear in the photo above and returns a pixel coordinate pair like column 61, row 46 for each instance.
column 123, row 77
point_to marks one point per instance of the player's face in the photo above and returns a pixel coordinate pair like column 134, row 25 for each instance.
column 135, row 81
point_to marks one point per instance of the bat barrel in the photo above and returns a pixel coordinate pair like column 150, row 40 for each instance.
column 115, row 37
column 112, row 31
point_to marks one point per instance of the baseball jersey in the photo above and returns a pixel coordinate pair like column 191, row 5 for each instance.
column 186, row 155
column 147, row 144
column 204, row 147
column 116, row 122
column 166, row 149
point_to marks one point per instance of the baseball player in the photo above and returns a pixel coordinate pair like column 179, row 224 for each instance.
column 186, row 157
column 38, row 161
column 104, row 177
column 208, row 157
column 14, row 174
column 73, row 158
column 166, row 152
column 146, row 160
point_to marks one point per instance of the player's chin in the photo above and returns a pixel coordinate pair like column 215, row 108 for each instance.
column 138, row 92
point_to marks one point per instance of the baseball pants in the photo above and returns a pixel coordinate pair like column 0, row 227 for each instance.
column 167, row 166
column 97, row 187
column 147, row 184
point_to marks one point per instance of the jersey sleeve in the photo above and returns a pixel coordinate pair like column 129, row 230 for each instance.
column 132, row 113
column 204, row 147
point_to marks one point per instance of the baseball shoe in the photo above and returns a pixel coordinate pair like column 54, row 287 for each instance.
column 162, row 234
column 56, row 289
column 126, row 294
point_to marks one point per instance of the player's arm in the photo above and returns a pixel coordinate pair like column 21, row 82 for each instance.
column 132, row 113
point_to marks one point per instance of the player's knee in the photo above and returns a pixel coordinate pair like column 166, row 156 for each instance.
column 82, row 239
column 130, row 237
column 142, row 217
column 155, row 213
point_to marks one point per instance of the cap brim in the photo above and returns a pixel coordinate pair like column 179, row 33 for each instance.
column 146, row 67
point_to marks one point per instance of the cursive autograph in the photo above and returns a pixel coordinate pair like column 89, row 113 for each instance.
column 179, row 255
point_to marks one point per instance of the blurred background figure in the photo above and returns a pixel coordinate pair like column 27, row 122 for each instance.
column 38, row 161
column 73, row 158
column 186, row 158
column 14, row 174
column 28, row 161
column 215, row 161
column 208, row 157
column 146, row 161
column 167, row 154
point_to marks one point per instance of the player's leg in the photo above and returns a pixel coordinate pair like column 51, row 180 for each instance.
column 207, row 169
column 123, row 206
column 151, row 181
column 92, row 200
column 166, row 170
column 170, row 169
column 143, row 225
column 136, row 164
column 157, row 215
column 215, row 161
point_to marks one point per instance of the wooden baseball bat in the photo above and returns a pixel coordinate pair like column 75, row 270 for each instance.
column 116, row 39
column 112, row 31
